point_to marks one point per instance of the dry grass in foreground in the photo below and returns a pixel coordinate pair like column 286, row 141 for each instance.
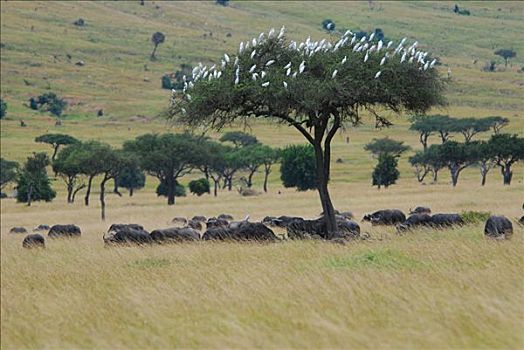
column 425, row 289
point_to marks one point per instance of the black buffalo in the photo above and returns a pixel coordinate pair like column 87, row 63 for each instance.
column 420, row 210
column 215, row 222
column 241, row 231
column 225, row 217
column 17, row 230
column 521, row 220
column 57, row 231
column 199, row 218
column 127, row 234
column 446, row 220
column 498, row 227
column 179, row 220
column 34, row 240
column 317, row 229
column 385, row 217
column 415, row 220
column 196, row 225
column 41, row 227
column 175, row 234
column 281, row 221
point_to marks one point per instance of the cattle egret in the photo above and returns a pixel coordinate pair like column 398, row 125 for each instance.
column 287, row 65
column 334, row 74
column 382, row 61
column 294, row 75
column 301, row 67
column 281, row 34
column 348, row 32
column 353, row 39
column 219, row 74
column 237, row 79
column 371, row 36
column 402, row 41
column 344, row 59
column 379, row 45
column 288, row 72
column 188, row 96
column 266, row 84
column 426, row 66
column 223, row 64
column 365, row 46
column 205, row 75
column 195, row 70
column 252, row 69
column 226, row 57
column 191, row 83
column 389, row 44
column 253, row 53
column 285, row 85
column 363, row 39
column 411, row 59
column 263, row 74
column 372, row 48
column 254, row 42
column 260, row 37
column 271, row 32
column 236, row 61
column 432, row 63
column 378, row 74
column 183, row 110
column 255, row 76
column 241, row 48
column 270, row 62
column 366, row 57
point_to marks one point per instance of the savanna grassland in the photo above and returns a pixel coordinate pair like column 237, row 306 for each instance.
column 424, row 289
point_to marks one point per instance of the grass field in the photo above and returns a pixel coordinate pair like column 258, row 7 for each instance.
column 425, row 289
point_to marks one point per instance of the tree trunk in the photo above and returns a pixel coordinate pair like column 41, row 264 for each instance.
column 70, row 191
column 230, row 183
column 170, row 190
column 250, row 179
column 454, row 175
column 322, row 183
column 102, row 198
column 30, row 195
column 483, row 172
column 215, row 191
column 424, row 140
column 153, row 53
column 88, row 191
column 507, row 174
column 435, row 175
column 266, row 176
column 55, row 151
column 76, row 191
column 115, row 188
column 131, row 192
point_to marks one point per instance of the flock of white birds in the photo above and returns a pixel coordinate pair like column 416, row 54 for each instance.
column 308, row 48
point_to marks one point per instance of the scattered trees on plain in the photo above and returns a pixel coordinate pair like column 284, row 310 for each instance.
column 387, row 151
column 48, row 102
column 32, row 182
column 506, row 54
column 56, row 140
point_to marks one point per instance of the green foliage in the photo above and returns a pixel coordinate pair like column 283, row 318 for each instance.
column 68, row 166
column 8, row 172
column 475, row 217
column 506, row 54
column 3, row 108
column 56, row 140
column 166, row 82
column 239, row 138
column 157, row 38
column 48, row 102
column 132, row 177
column 469, row 127
column 162, row 189
column 199, row 187
column 298, row 167
column 497, row 123
column 33, row 180
column 385, row 172
column 386, row 145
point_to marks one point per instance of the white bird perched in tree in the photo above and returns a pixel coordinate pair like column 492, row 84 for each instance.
column 302, row 66
column 222, row 64
column 334, row 74
column 247, row 45
column 411, row 59
column 363, row 39
column 281, row 34
column 212, row 67
column 271, row 32
column 254, row 76
column 252, row 69
column 285, row 85
column 237, row 80
column 262, row 74
column 219, row 74
column 372, row 48
column 348, row 32
column 288, row 72
column 226, row 58
column 237, row 71
column 355, row 48
column 403, row 41
column 253, row 53
column 344, row 60
column 371, row 36
column 378, row 74
column 379, row 45
column 205, row 75
column 236, row 61
column 241, row 48
column 365, row 47
column 389, row 44
column 382, row 61
column 188, row 96
column 287, row 65
column 260, row 37
column 195, row 70
column 366, row 57
column 403, row 57
column 183, row 110
column 254, row 42
column 353, row 39
column 432, row 64
column 184, row 78
column 426, row 66
column 270, row 62
column 266, row 84
column 360, row 48
column 191, row 83
column 293, row 45
column 294, row 75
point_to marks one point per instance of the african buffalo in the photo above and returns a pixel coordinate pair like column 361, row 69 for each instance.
column 385, row 217
column 281, row 221
column 17, row 230
column 34, row 240
column 241, row 231
column 413, row 221
column 126, row 234
column 196, row 225
column 498, row 227
column 41, row 227
column 199, row 218
column 57, row 231
column 446, row 220
column 420, row 210
column 215, row 222
column 179, row 220
column 316, row 228
column 225, row 217
column 175, row 234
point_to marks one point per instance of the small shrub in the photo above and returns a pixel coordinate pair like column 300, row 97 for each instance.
column 48, row 102
column 475, row 217
column 180, row 190
column 166, row 82
column 199, row 187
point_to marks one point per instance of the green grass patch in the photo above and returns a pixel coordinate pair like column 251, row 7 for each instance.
column 389, row 259
column 149, row 263
column 475, row 217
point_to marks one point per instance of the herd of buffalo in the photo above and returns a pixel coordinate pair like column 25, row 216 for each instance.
column 223, row 227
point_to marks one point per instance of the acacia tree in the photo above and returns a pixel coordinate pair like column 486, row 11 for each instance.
column 132, row 177
column 314, row 87
column 239, row 138
column 385, row 172
column 506, row 149
column 89, row 156
column 33, row 183
column 426, row 125
column 386, row 145
column 214, row 162
column 497, row 123
column 427, row 161
column 484, row 157
column 56, row 140
column 457, row 157
column 506, row 54
column 269, row 156
column 69, row 167
column 157, row 38
column 167, row 157
column 469, row 127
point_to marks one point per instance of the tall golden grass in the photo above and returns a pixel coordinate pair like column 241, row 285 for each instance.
column 424, row 289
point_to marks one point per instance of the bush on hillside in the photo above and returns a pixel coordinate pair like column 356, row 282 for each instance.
column 199, row 187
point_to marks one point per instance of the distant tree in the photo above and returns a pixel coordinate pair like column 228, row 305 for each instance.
column 162, row 189
column 157, row 39
column 484, row 158
column 214, row 163
column 33, row 183
column 222, row 2
column 507, row 150
column 429, row 124
column 253, row 157
column 298, row 167
column 3, row 108
column 199, row 186
column 234, row 162
column 328, row 25
column 384, row 146
column 8, row 172
column 497, row 123
column 506, row 54
column 48, row 102
column 67, row 165
column 385, row 172
column 469, row 127
column 167, row 157
column 427, row 161
column 239, row 138
column 269, row 157
column 56, row 140
column 457, row 156
column 132, row 177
